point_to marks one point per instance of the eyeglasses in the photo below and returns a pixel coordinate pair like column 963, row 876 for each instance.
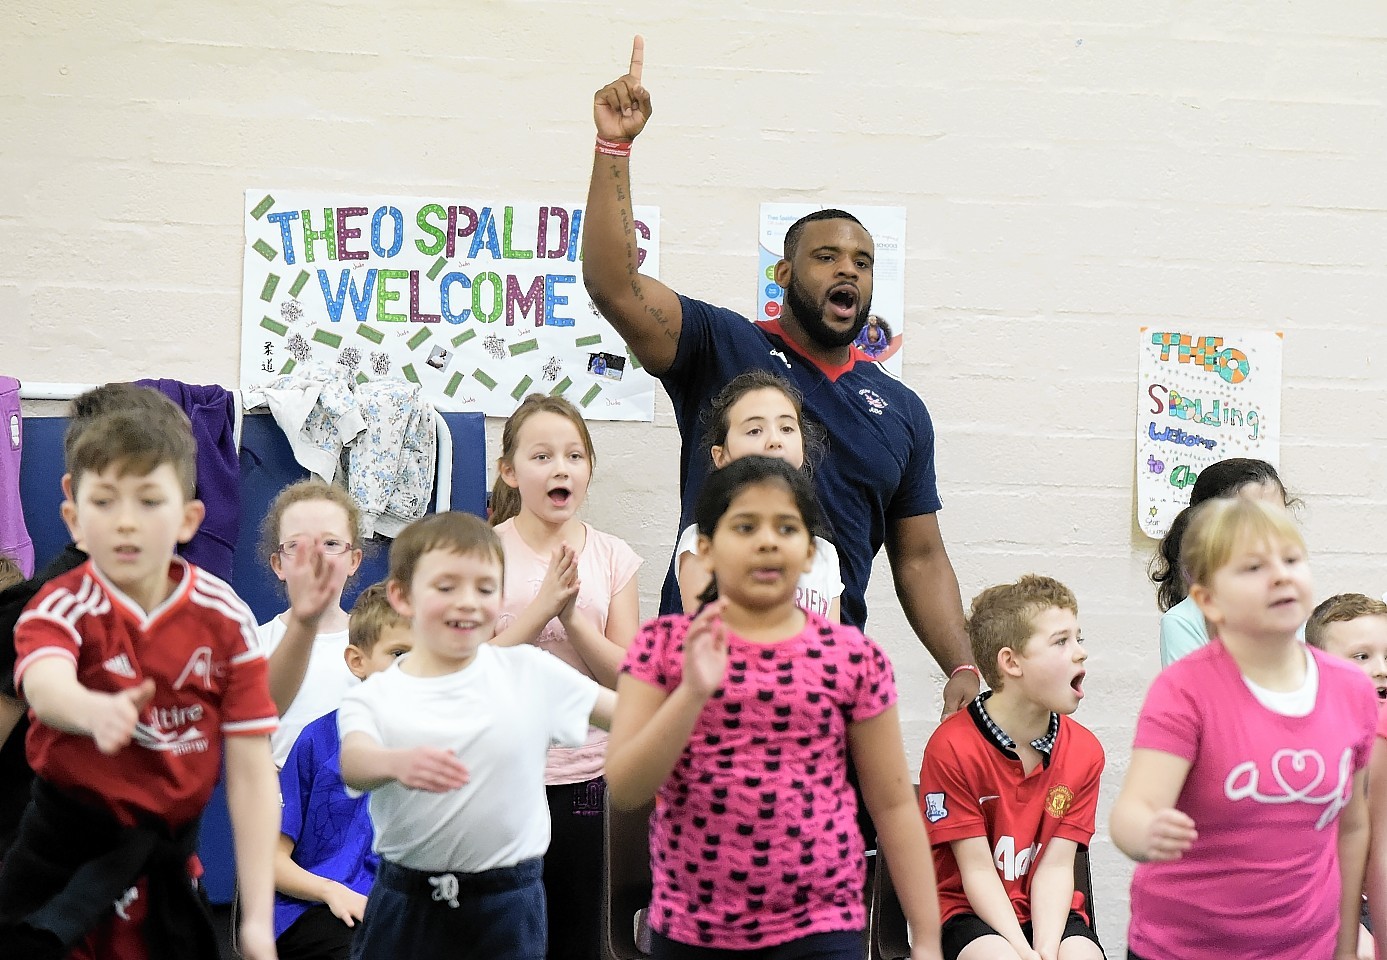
column 332, row 547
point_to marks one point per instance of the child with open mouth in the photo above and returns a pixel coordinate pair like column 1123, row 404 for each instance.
column 570, row 590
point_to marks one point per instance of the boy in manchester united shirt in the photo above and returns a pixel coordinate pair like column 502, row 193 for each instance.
column 1009, row 786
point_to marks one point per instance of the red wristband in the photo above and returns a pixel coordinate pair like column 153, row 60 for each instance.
column 614, row 148
column 964, row 666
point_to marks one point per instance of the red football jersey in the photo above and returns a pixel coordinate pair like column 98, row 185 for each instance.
column 970, row 788
column 210, row 678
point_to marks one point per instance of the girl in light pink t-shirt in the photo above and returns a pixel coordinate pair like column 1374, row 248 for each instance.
column 570, row 590
column 1244, row 802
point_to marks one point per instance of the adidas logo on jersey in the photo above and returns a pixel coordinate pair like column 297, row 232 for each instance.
column 120, row 665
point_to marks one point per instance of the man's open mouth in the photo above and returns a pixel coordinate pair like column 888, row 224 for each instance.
column 843, row 300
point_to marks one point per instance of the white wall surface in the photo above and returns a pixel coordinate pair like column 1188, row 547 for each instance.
column 1072, row 170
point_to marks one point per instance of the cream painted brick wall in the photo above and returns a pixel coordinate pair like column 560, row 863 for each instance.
column 1072, row 170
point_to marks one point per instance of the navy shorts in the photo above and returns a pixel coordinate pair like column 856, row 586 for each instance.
column 494, row 915
column 835, row 945
column 963, row 928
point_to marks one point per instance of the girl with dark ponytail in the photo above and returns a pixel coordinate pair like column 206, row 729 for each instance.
column 1182, row 625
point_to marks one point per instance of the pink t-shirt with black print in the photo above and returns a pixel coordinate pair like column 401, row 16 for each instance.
column 754, row 840
column 1265, row 791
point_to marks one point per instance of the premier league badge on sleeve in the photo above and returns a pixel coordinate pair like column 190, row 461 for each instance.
column 934, row 807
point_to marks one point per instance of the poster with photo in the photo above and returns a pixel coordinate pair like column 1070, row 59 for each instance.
column 1203, row 396
column 882, row 338
column 479, row 301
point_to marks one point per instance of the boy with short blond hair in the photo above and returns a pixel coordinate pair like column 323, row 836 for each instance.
column 140, row 669
column 325, row 865
column 1009, row 785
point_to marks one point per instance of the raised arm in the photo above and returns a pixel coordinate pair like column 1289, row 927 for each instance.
column 928, row 590
column 644, row 311
column 602, row 651
column 651, row 728
column 308, row 581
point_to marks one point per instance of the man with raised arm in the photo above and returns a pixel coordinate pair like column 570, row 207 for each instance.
column 877, row 483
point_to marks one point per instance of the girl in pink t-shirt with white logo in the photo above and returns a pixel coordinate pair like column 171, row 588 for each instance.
column 739, row 722
column 1244, row 802
column 570, row 590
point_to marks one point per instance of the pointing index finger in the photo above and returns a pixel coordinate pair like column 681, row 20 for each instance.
column 637, row 57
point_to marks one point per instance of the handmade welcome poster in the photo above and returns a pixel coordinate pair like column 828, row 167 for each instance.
column 1204, row 395
column 479, row 301
column 882, row 338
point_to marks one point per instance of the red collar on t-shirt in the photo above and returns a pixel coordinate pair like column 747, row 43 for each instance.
column 831, row 371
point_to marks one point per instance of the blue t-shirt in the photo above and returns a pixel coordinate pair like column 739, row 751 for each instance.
column 331, row 831
column 880, row 462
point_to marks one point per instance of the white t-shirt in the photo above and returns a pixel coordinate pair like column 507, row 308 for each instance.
column 817, row 589
column 325, row 683
column 499, row 714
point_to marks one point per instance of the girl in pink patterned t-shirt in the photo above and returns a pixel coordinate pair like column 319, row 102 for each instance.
column 739, row 722
column 1244, row 801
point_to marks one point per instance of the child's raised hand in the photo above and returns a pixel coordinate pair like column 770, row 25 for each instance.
column 309, row 581
column 345, row 903
column 705, row 650
column 113, row 716
column 431, row 769
column 1169, row 835
column 559, row 589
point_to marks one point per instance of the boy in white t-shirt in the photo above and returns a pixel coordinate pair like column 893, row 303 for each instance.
column 451, row 744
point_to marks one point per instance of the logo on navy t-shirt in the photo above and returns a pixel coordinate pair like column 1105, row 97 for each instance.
column 874, row 402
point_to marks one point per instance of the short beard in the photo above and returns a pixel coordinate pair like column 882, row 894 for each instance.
column 810, row 317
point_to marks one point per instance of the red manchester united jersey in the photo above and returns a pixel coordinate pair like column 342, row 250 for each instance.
column 210, row 679
column 972, row 786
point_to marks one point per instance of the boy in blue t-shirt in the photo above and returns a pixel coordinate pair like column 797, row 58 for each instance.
column 325, row 866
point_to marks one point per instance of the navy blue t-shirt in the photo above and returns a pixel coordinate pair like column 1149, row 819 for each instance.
column 880, row 462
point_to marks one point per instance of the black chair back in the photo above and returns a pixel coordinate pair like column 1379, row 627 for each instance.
column 625, row 879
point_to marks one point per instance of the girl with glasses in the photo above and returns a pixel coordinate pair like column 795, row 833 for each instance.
column 311, row 537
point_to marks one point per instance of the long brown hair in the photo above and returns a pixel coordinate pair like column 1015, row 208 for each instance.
column 505, row 499
column 715, row 418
